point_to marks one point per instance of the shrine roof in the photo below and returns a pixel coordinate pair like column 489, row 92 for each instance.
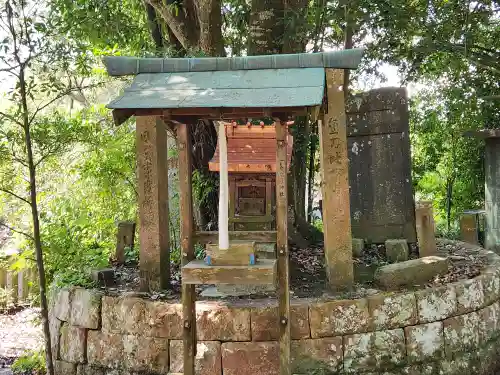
column 124, row 65
column 295, row 87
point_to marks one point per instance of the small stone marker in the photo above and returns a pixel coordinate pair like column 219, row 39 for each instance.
column 104, row 277
column 412, row 272
column 469, row 231
column 425, row 229
column 396, row 250
column 124, row 238
column 358, row 244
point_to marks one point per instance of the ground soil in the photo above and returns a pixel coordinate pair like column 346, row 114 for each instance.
column 308, row 276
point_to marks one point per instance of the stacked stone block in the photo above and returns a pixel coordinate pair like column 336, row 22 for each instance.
column 446, row 330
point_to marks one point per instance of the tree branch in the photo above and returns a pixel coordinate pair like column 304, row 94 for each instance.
column 9, row 117
column 60, row 96
column 15, row 195
column 17, row 231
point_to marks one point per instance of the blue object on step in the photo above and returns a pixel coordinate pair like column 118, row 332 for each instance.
column 208, row 260
column 252, row 259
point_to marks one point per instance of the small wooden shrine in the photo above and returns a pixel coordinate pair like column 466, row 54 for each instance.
column 251, row 154
column 174, row 94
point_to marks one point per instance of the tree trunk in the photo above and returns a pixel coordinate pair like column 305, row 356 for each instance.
column 36, row 225
column 449, row 196
column 310, row 183
column 298, row 168
column 154, row 26
column 266, row 29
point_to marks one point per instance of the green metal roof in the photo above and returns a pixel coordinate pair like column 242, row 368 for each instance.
column 123, row 65
column 296, row 87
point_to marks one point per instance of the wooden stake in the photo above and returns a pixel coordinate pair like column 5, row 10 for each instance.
column 223, row 190
column 187, row 246
column 425, row 229
column 335, row 186
column 282, row 246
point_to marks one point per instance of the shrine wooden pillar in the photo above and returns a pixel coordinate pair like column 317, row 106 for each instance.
column 187, row 246
column 335, row 185
column 154, row 252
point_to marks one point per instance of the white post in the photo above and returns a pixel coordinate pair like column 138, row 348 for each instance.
column 223, row 190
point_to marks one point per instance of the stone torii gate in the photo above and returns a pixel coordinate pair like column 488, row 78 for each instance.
column 176, row 93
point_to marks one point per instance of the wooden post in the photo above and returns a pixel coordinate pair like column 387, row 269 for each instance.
column 187, row 246
column 425, row 229
column 124, row 238
column 469, row 231
column 335, row 186
column 154, row 255
column 282, row 246
column 12, row 286
column 223, row 189
column 232, row 201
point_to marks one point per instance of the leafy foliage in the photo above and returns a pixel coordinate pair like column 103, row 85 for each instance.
column 30, row 363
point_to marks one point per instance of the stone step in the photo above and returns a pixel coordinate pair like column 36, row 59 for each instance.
column 198, row 272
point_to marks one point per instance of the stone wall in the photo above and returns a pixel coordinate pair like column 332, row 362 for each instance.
column 447, row 330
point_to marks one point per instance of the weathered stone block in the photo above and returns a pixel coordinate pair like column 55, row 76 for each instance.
column 461, row 334
column 207, row 361
column 364, row 351
column 396, row 250
column 487, row 359
column 104, row 349
column 470, row 295
column 337, row 318
column 489, row 322
column 490, row 279
column 64, row 368
column 54, row 327
column 124, row 315
column 311, row 354
column 85, row 308
column 62, row 305
column 218, row 322
column 89, row 370
column 424, row 342
column 264, row 322
column 145, row 354
column 73, row 344
column 436, row 303
column 412, row 272
column 250, row 358
column 136, row 316
column 164, row 319
column 358, row 245
column 393, row 311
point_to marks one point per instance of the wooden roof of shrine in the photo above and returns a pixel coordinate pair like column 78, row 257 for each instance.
column 225, row 88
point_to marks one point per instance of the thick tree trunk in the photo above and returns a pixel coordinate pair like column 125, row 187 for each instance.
column 154, row 26
column 266, row 29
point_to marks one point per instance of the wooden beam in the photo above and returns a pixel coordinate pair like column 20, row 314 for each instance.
column 251, row 219
column 282, row 246
column 187, row 246
column 257, row 236
column 152, row 164
column 335, row 186
column 197, row 272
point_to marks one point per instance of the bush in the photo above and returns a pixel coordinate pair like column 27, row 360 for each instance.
column 30, row 363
